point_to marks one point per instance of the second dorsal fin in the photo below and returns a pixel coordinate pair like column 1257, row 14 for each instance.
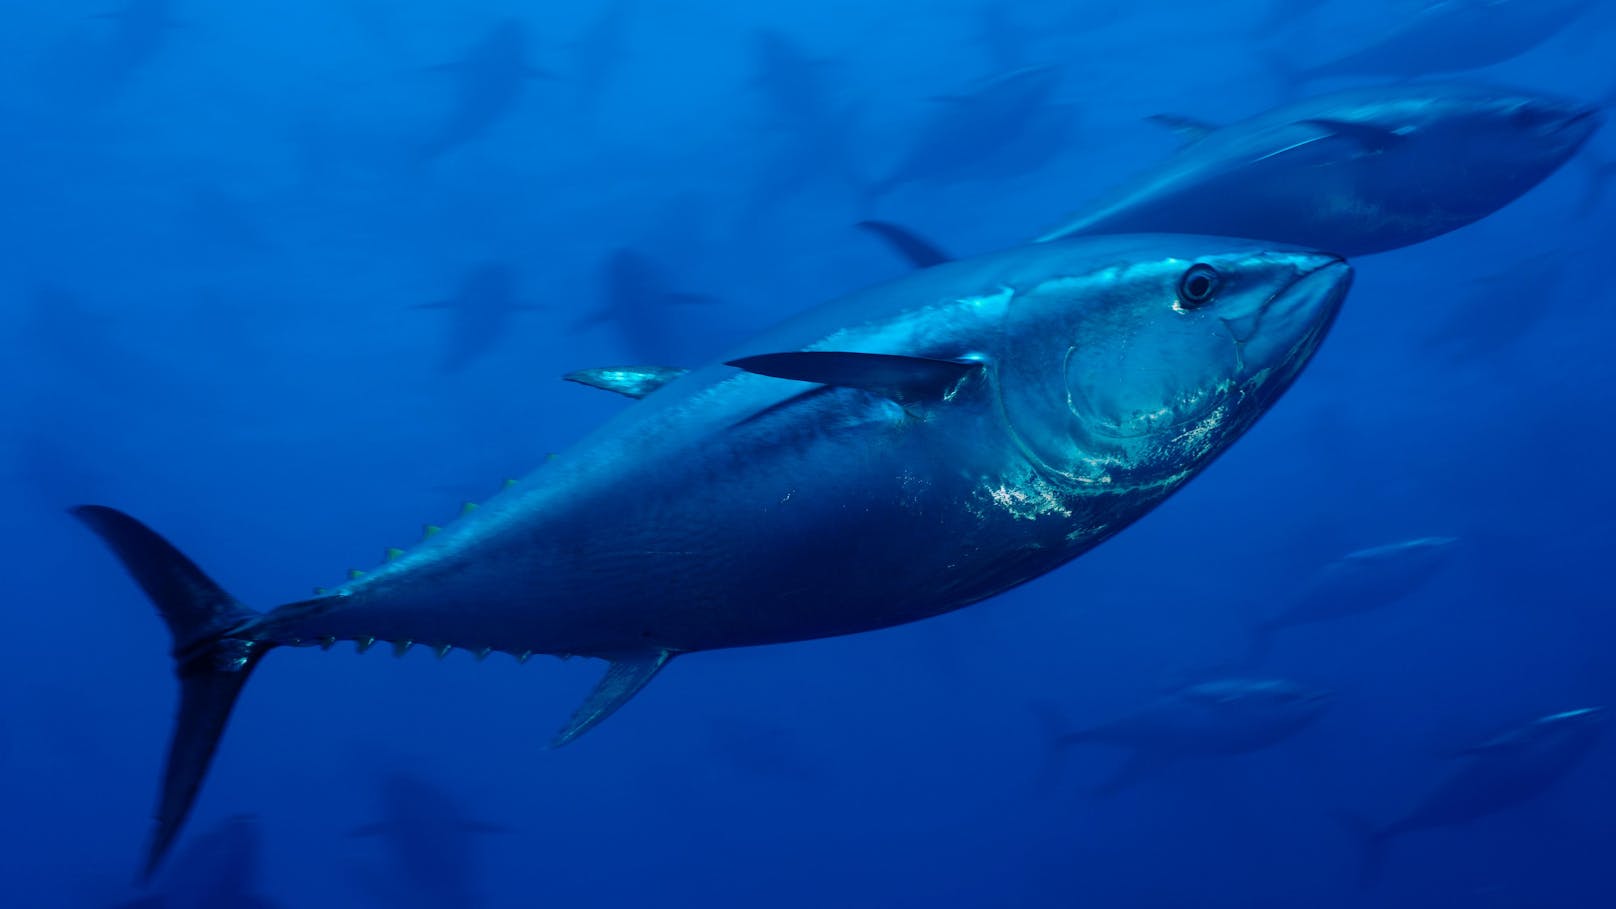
column 631, row 381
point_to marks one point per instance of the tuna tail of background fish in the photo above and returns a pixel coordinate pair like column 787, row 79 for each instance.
column 1260, row 642
column 211, row 660
column 1054, row 727
column 1372, row 842
column 1601, row 173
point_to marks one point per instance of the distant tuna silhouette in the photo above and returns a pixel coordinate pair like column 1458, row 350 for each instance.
column 635, row 297
column 488, row 84
column 480, row 313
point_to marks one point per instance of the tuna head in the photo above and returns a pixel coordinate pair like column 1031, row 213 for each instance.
column 1570, row 730
column 1489, row 147
column 1139, row 365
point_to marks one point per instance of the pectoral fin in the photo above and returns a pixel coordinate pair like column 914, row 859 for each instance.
column 624, row 678
column 633, row 381
column 1370, row 138
column 907, row 380
column 1189, row 128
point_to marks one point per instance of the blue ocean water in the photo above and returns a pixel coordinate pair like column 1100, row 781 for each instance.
column 226, row 225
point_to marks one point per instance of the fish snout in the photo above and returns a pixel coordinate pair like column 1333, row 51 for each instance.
column 1596, row 716
column 1318, row 699
column 1573, row 123
column 1298, row 311
column 1584, row 122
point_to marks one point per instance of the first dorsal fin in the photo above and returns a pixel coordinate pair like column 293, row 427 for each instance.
column 632, row 381
column 921, row 252
column 623, row 680
column 907, row 380
column 1189, row 128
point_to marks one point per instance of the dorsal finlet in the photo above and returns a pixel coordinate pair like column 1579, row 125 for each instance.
column 402, row 647
column 467, row 508
column 327, row 642
column 482, row 653
column 509, row 482
column 319, row 591
column 355, row 574
column 524, row 656
column 393, row 552
column 363, row 644
column 430, row 531
column 442, row 650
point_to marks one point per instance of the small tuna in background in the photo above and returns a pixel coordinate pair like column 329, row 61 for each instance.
column 996, row 127
column 804, row 139
column 1216, row 718
column 488, row 83
column 641, row 305
column 1358, row 172
column 479, row 314
column 598, row 54
column 1496, row 775
column 430, row 842
column 138, row 33
column 1358, row 582
column 1449, row 37
column 1486, row 320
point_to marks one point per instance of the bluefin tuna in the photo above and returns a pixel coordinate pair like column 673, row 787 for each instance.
column 1451, row 36
column 982, row 130
column 808, row 123
column 902, row 452
column 1484, row 322
column 1355, row 583
column 140, row 31
column 480, row 311
column 640, row 303
column 1216, row 718
column 1357, row 172
column 488, row 83
column 1515, row 767
column 431, row 844
column 598, row 53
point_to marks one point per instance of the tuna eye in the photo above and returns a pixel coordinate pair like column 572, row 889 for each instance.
column 1198, row 286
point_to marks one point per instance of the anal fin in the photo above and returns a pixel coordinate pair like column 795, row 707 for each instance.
column 623, row 680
